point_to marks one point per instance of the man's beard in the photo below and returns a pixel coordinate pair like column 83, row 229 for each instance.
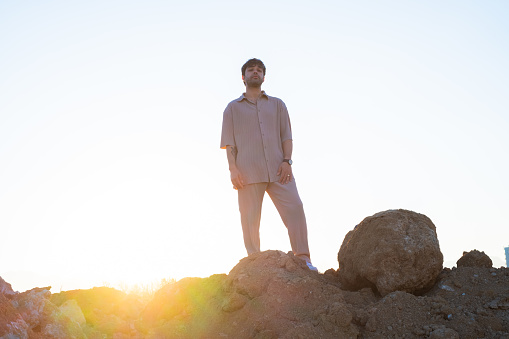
column 254, row 82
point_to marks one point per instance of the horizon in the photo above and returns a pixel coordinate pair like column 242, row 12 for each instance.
column 110, row 123
column 142, row 288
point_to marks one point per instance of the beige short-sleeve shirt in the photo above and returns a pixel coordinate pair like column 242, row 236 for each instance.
column 258, row 131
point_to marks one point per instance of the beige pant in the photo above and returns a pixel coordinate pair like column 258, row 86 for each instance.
column 288, row 203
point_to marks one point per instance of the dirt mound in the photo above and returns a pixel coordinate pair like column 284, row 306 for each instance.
column 474, row 259
column 274, row 295
column 268, row 295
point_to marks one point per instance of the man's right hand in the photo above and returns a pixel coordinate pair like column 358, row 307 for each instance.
column 237, row 180
column 236, row 177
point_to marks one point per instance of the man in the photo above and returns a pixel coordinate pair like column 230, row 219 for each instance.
column 258, row 140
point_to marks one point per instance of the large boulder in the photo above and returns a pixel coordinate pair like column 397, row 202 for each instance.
column 395, row 250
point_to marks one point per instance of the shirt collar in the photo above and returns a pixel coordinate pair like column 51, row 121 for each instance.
column 243, row 96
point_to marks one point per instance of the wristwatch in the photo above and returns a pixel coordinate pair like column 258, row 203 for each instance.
column 289, row 161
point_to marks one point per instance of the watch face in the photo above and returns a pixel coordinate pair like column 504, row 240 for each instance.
column 289, row 161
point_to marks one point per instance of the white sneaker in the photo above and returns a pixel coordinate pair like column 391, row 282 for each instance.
column 311, row 267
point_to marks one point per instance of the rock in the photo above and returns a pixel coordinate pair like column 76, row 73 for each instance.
column 34, row 306
column 234, row 302
column 474, row 259
column 17, row 329
column 6, row 288
column 72, row 310
column 395, row 250
column 10, row 320
column 444, row 333
column 31, row 314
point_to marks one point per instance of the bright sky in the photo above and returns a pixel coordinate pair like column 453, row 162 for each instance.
column 110, row 122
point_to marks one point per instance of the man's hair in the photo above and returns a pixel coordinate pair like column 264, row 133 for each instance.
column 251, row 63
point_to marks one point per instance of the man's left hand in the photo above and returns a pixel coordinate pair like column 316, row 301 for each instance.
column 285, row 173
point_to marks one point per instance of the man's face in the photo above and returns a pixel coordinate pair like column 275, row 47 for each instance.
column 253, row 76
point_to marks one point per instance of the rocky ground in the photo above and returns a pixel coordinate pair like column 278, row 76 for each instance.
column 274, row 295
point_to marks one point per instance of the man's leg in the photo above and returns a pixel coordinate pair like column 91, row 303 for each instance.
column 290, row 208
column 250, row 206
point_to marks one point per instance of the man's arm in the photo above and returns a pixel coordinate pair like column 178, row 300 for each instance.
column 287, row 148
column 236, row 177
column 285, row 169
